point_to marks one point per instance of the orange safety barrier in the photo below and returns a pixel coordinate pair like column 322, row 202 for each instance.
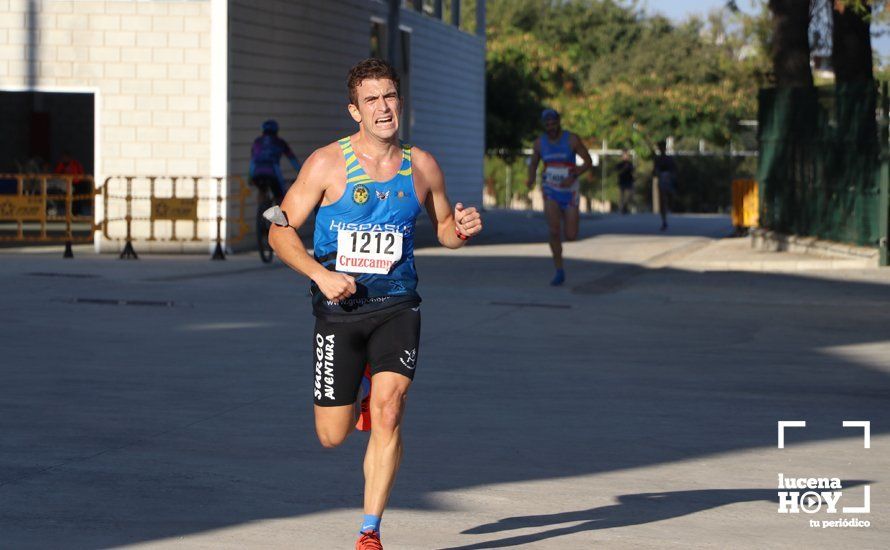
column 172, row 209
column 745, row 203
column 32, row 213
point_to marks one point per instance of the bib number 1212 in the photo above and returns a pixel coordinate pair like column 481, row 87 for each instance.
column 373, row 243
column 368, row 251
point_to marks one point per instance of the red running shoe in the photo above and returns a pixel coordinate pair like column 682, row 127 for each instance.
column 364, row 419
column 370, row 540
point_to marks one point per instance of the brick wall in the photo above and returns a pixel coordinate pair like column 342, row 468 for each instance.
column 148, row 61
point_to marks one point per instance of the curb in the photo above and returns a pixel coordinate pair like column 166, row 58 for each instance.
column 771, row 241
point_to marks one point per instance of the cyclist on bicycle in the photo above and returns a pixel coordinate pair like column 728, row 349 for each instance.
column 265, row 156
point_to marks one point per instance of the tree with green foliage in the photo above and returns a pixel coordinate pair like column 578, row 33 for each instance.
column 616, row 73
column 515, row 82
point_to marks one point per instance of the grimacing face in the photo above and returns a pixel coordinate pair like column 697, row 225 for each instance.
column 378, row 107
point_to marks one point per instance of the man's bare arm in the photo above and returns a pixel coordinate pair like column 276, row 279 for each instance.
column 581, row 151
column 298, row 204
column 446, row 223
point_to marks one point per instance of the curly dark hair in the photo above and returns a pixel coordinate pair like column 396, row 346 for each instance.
column 371, row 68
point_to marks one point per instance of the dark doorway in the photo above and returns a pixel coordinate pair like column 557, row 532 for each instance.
column 37, row 128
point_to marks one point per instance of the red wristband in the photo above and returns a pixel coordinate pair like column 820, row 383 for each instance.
column 460, row 235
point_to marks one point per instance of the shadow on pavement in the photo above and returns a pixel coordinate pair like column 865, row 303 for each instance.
column 633, row 509
column 164, row 422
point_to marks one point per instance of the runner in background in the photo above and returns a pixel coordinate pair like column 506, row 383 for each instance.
column 559, row 149
column 625, row 170
column 665, row 169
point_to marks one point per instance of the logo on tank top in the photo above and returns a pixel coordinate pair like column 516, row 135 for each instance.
column 360, row 194
column 396, row 286
column 382, row 196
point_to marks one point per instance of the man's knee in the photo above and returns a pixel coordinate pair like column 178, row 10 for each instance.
column 331, row 438
column 332, row 432
column 571, row 235
column 388, row 410
column 553, row 232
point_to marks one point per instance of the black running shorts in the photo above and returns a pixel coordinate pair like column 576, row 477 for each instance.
column 388, row 342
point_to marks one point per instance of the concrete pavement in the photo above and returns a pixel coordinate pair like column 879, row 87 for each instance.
column 166, row 403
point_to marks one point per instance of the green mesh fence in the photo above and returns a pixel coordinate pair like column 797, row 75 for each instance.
column 819, row 162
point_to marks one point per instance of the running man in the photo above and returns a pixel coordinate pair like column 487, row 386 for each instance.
column 559, row 183
column 265, row 159
column 369, row 189
column 665, row 169
column 625, row 169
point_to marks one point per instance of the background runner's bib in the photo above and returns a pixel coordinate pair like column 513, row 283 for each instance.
column 558, row 159
column 554, row 175
column 369, row 234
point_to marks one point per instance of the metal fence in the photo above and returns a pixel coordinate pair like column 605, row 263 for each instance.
column 47, row 208
column 70, row 209
column 173, row 209
column 820, row 163
column 705, row 182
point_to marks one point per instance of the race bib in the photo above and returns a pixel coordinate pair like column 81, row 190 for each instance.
column 368, row 251
column 554, row 175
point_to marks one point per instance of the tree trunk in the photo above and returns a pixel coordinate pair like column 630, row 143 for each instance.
column 851, row 45
column 791, row 45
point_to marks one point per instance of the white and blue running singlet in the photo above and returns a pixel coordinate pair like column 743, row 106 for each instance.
column 558, row 159
column 369, row 234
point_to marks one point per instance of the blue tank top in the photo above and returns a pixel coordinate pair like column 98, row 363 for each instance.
column 371, row 221
column 558, row 158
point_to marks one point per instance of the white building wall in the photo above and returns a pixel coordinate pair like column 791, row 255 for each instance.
column 448, row 100
column 148, row 64
column 288, row 61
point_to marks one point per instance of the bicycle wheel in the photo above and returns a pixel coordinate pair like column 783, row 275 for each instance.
column 262, row 232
